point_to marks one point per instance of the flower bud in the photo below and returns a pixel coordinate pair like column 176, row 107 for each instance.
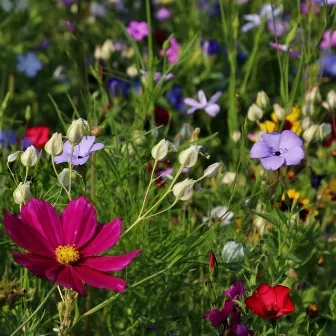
column 331, row 99
column 160, row 150
column 313, row 96
column 306, row 123
column 107, row 49
column 308, row 109
column 324, row 131
column 312, row 310
column 236, row 136
column 77, row 130
column 254, row 112
column 132, row 71
column 212, row 261
column 139, row 138
column 233, row 252
column 212, row 169
column 184, row 190
column 279, row 111
column 262, row 100
column 310, row 133
column 55, row 145
column 188, row 157
column 186, row 131
column 29, row 157
column 229, row 177
column 64, row 176
column 12, row 157
column 22, row 193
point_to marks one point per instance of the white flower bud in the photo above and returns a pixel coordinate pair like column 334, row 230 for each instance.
column 324, row 131
column 139, row 138
column 64, row 176
column 188, row 157
column 279, row 111
column 308, row 109
column 184, row 190
column 262, row 100
column 29, row 157
column 160, row 150
column 55, row 145
column 132, row 71
column 313, row 96
column 310, row 133
column 254, row 112
column 306, row 123
column 12, row 157
column 212, row 169
column 229, row 177
column 107, row 49
column 233, row 252
column 236, row 136
column 22, row 193
column 77, row 130
column 331, row 99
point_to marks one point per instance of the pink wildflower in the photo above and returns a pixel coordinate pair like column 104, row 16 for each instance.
column 64, row 249
column 138, row 30
column 173, row 51
column 329, row 39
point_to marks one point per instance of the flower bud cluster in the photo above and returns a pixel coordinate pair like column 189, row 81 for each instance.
column 256, row 111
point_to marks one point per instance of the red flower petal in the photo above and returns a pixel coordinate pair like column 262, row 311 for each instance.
column 42, row 216
column 35, row 263
column 109, row 263
column 253, row 303
column 99, row 279
column 267, row 294
column 26, row 236
column 79, row 222
column 282, row 295
column 104, row 238
column 38, row 135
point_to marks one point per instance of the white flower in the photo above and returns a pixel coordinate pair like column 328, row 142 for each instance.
column 279, row 111
column 262, row 100
column 254, row 112
column 29, row 157
column 219, row 213
column 212, row 169
column 22, row 193
column 229, row 177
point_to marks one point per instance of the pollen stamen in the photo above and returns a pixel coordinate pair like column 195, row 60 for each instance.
column 67, row 255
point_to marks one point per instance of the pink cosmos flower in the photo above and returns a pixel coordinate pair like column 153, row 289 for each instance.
column 64, row 249
column 172, row 52
column 329, row 39
column 138, row 30
column 210, row 107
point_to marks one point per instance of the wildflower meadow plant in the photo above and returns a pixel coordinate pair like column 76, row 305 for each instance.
column 167, row 167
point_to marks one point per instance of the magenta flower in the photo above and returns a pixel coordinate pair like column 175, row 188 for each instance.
column 172, row 52
column 283, row 48
column 138, row 30
column 64, row 249
column 163, row 14
column 81, row 152
column 238, row 328
column 308, row 6
column 210, row 107
column 218, row 317
column 235, row 291
column 329, row 39
column 278, row 149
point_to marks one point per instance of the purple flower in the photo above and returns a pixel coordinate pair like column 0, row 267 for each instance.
column 235, row 291
column 278, row 149
column 172, row 52
column 328, row 64
column 277, row 27
column 81, row 152
column 210, row 47
column 239, row 328
column 7, row 138
column 163, row 14
column 329, row 39
column 175, row 97
column 283, row 48
column 218, row 317
column 210, row 107
column 29, row 64
column 311, row 5
column 158, row 75
column 138, row 30
column 68, row 2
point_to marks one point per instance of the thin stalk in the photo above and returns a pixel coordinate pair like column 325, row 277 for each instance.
column 35, row 312
column 58, row 178
column 70, row 170
column 93, row 178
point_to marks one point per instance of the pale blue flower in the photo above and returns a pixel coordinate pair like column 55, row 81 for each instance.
column 29, row 64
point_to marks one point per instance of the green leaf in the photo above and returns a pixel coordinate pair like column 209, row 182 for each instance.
column 332, row 304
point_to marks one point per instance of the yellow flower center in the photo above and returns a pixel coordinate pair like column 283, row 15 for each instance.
column 67, row 254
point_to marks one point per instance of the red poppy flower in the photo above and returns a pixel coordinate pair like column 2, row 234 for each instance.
column 270, row 302
column 38, row 135
column 64, row 249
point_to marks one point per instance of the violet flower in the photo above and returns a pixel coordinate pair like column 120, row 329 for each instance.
column 239, row 328
column 312, row 5
column 218, row 317
column 138, row 30
column 210, row 107
column 329, row 39
column 172, row 52
column 157, row 75
column 283, row 48
column 163, row 14
column 328, row 64
column 81, row 152
column 235, row 291
column 278, row 149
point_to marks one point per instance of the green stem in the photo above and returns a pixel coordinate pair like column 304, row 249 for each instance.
column 93, row 178
column 58, row 178
column 35, row 312
column 70, row 171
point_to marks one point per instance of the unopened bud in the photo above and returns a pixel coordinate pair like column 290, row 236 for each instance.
column 310, row 133
column 324, row 131
column 139, row 138
column 132, row 71
column 29, row 157
column 254, row 112
column 188, row 157
column 196, row 132
column 64, row 176
column 186, row 131
column 236, row 136
column 262, row 100
column 331, row 99
column 212, row 169
column 28, row 113
column 212, row 261
column 306, row 123
column 107, row 49
column 77, row 130
column 313, row 96
column 184, row 190
column 279, row 111
column 12, row 157
column 22, row 193
column 308, row 109
column 233, row 252
column 229, row 177
column 312, row 310
column 160, row 150
column 55, row 145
